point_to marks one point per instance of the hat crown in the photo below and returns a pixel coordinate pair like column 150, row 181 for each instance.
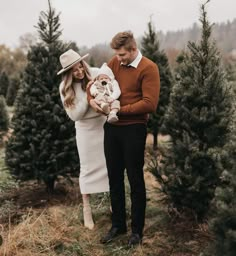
column 104, row 69
column 68, row 58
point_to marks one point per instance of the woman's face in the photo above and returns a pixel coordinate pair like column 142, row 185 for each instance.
column 78, row 72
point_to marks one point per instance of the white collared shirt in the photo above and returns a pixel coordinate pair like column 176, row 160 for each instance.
column 136, row 61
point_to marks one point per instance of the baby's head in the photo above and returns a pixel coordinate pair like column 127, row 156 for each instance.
column 105, row 74
column 103, row 79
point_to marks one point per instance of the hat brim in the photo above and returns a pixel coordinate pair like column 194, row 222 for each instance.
column 72, row 64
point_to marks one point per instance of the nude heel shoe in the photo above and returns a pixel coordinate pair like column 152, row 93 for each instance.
column 88, row 219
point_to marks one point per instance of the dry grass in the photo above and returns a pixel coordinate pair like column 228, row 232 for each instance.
column 40, row 225
column 57, row 229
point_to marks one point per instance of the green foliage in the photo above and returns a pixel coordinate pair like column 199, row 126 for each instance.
column 198, row 120
column 4, row 83
column 231, row 75
column 223, row 222
column 43, row 144
column 4, row 118
column 12, row 91
column 49, row 26
column 151, row 49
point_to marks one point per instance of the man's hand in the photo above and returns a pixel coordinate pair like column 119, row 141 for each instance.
column 94, row 104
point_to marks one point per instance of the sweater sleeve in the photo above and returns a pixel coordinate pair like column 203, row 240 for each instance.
column 150, row 94
column 80, row 107
column 93, row 90
column 116, row 90
column 89, row 96
column 94, row 72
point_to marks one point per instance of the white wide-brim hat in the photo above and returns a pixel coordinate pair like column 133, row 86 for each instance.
column 68, row 59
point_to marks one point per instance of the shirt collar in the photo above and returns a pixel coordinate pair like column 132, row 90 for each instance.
column 136, row 61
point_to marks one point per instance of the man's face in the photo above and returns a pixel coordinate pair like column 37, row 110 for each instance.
column 125, row 56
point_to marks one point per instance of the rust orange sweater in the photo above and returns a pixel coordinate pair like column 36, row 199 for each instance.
column 140, row 89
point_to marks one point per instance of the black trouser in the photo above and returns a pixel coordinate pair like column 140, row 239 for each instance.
column 124, row 149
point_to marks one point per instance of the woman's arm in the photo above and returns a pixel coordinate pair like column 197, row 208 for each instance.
column 80, row 107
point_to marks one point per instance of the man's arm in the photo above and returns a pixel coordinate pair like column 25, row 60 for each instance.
column 150, row 94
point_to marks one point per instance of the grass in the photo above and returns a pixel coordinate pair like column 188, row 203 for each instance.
column 6, row 181
column 37, row 225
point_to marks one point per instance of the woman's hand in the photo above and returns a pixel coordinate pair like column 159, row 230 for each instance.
column 89, row 84
column 94, row 104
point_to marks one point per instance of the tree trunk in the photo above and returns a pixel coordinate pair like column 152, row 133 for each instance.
column 154, row 140
column 50, row 184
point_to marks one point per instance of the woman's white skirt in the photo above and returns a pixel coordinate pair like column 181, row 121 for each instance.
column 93, row 172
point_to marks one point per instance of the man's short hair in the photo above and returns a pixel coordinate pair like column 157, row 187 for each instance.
column 123, row 39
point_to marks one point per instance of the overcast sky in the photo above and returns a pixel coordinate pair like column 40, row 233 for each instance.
column 89, row 22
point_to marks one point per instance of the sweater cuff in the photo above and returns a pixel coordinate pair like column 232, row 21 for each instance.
column 125, row 109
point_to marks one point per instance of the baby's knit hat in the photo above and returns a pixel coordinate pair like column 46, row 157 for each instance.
column 104, row 69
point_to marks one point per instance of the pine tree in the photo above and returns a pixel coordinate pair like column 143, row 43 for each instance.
column 223, row 223
column 151, row 49
column 231, row 75
column 4, row 83
column 4, row 117
column 43, row 143
column 12, row 91
column 197, row 119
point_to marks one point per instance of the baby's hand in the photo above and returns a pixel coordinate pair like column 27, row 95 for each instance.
column 110, row 99
column 95, row 93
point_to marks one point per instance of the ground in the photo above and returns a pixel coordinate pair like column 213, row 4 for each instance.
column 35, row 223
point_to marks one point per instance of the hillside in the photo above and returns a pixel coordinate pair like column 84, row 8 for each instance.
column 174, row 41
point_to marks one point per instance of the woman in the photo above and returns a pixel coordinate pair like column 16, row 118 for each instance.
column 89, row 128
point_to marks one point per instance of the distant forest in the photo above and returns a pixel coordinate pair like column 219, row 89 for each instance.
column 224, row 34
column 173, row 42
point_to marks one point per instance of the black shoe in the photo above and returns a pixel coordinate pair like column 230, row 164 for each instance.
column 134, row 239
column 112, row 233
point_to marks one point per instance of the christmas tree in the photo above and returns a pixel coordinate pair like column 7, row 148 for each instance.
column 12, row 91
column 4, row 83
column 223, row 223
column 151, row 50
column 43, row 144
column 198, row 121
column 4, row 118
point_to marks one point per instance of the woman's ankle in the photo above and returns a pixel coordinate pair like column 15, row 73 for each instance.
column 88, row 218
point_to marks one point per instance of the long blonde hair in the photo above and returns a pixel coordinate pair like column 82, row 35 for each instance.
column 68, row 90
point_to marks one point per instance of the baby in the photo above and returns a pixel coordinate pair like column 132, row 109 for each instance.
column 106, row 91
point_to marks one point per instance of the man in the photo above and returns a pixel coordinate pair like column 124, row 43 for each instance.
column 124, row 141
